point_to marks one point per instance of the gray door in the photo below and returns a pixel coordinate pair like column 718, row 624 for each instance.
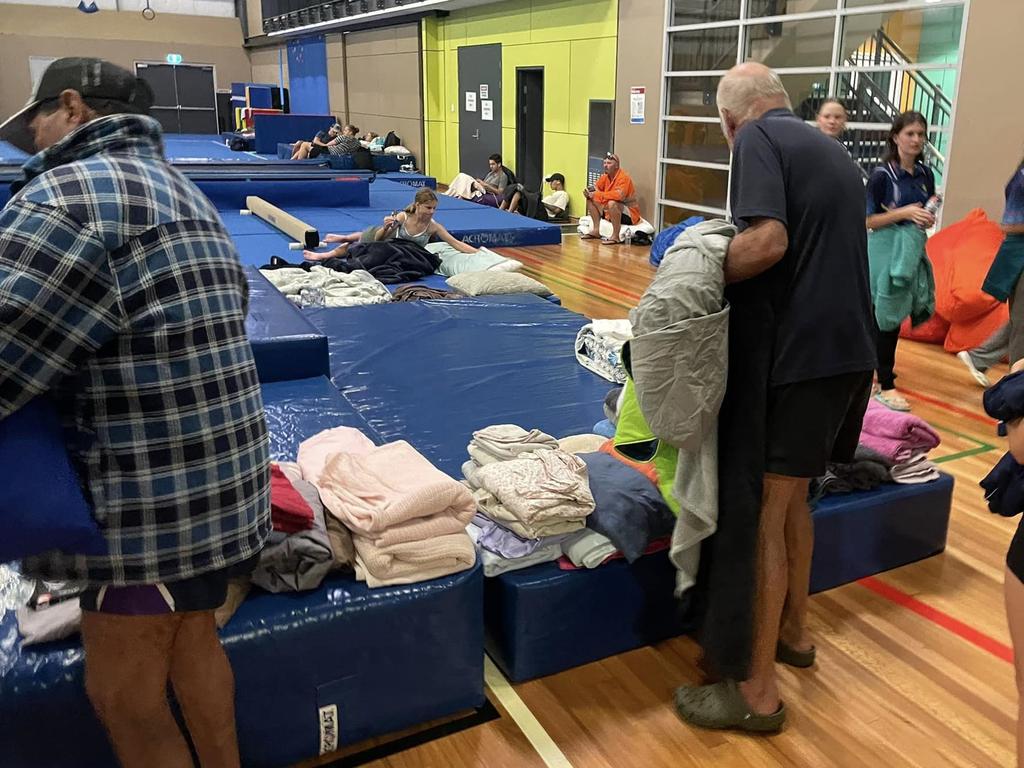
column 186, row 100
column 479, row 74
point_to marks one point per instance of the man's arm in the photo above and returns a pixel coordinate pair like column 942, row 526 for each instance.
column 756, row 249
column 57, row 300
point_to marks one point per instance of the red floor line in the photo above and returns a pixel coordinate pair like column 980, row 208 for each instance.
column 940, row 618
column 562, row 270
column 952, row 408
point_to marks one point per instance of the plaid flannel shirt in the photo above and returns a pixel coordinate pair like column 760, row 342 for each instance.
column 122, row 297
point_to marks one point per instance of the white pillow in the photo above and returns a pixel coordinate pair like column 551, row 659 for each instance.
column 455, row 262
column 397, row 149
column 494, row 283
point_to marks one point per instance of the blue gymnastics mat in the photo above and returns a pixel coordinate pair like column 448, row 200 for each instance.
column 432, row 372
column 543, row 620
column 11, row 155
column 284, row 344
column 294, row 656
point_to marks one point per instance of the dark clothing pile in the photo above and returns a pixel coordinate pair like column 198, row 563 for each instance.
column 419, row 292
column 390, row 261
column 1004, row 485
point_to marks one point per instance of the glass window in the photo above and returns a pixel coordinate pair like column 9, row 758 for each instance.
column 703, row 49
column 758, row 8
column 692, row 96
column 703, row 142
column 700, row 186
column 877, row 96
column 671, row 215
column 806, row 92
column 701, row 11
column 928, row 36
column 792, row 43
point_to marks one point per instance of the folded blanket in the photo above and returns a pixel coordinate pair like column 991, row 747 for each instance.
column 864, row 453
column 581, row 443
column 587, row 548
column 415, row 292
column 539, row 494
column 502, row 442
column 658, row 545
column 295, row 562
column 847, row 478
column 377, row 493
column 289, row 512
column 1004, row 487
column 413, row 561
column 896, row 435
column 915, row 471
column 316, row 450
column 501, row 541
column 599, row 348
column 628, row 508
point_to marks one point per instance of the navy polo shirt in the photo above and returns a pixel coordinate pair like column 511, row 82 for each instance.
column 892, row 186
column 786, row 170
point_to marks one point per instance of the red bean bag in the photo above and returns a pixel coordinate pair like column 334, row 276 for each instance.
column 931, row 331
column 961, row 255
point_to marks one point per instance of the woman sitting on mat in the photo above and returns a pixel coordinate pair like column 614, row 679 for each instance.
column 302, row 150
column 415, row 224
column 343, row 141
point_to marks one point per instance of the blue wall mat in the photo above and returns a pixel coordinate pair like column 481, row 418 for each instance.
column 307, row 76
column 274, row 129
column 259, row 97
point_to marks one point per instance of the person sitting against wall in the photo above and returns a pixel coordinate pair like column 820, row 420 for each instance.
column 490, row 190
column 373, row 141
column 520, row 200
column 612, row 198
column 302, row 150
column 344, row 142
column 415, row 224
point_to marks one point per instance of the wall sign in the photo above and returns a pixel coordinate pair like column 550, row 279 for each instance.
column 486, row 110
column 485, row 91
column 637, row 104
column 471, row 101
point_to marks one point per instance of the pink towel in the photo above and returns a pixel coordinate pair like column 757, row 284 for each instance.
column 392, row 486
column 315, row 451
column 896, row 435
column 413, row 561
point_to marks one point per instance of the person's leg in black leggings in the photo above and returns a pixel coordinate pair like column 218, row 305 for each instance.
column 886, row 350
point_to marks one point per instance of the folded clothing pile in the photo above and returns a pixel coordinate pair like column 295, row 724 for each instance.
column 903, row 441
column 599, row 348
column 529, row 494
column 408, row 519
column 339, row 289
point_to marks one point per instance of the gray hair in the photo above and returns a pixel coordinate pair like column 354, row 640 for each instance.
column 746, row 89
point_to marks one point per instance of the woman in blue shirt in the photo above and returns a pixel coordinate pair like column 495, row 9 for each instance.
column 897, row 193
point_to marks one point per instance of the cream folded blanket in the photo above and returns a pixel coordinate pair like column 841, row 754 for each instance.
column 413, row 561
column 392, row 494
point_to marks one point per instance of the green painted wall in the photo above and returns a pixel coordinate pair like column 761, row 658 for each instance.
column 575, row 42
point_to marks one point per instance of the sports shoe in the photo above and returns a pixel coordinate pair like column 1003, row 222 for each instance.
column 979, row 376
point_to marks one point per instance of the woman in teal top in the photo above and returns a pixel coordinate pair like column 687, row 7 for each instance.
column 1003, row 280
column 415, row 224
column 897, row 193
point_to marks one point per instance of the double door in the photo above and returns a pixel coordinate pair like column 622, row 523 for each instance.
column 186, row 96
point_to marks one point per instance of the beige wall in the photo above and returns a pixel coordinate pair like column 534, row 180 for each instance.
column 266, row 67
column 122, row 38
column 254, row 19
column 382, row 69
column 988, row 137
column 641, row 29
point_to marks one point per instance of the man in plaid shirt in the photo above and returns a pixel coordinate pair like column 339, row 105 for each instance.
column 122, row 299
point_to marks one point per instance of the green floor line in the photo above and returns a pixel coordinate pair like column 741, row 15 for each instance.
column 983, row 448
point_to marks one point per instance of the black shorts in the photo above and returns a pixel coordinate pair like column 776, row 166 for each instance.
column 1015, row 556
column 814, row 422
column 315, row 150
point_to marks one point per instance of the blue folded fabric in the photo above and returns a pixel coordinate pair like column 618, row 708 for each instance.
column 1004, row 487
column 604, row 428
column 42, row 506
column 1005, row 400
column 628, row 508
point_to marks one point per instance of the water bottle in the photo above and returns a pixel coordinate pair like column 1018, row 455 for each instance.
column 627, row 239
column 933, row 205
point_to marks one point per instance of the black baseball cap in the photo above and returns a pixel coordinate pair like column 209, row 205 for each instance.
column 93, row 78
column 555, row 177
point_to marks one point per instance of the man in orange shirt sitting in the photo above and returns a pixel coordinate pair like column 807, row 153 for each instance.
column 613, row 198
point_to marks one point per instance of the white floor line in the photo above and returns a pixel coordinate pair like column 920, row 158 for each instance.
column 523, row 717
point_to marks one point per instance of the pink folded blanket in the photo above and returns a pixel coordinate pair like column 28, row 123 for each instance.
column 379, row 492
column 898, row 436
column 314, row 452
column 413, row 561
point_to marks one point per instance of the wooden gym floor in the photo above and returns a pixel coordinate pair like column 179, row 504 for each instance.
column 914, row 665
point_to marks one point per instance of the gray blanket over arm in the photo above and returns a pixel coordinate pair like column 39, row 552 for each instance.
column 679, row 363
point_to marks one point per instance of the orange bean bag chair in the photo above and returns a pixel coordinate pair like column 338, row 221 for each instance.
column 961, row 255
column 931, row 331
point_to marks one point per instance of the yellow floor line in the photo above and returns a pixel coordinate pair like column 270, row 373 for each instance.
column 523, row 717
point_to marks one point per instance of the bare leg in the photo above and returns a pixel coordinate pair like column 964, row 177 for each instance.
column 615, row 214
column 205, row 688
column 799, row 548
column 595, row 214
column 514, row 203
column 351, row 237
column 127, row 663
column 761, row 689
column 320, row 256
column 1014, row 593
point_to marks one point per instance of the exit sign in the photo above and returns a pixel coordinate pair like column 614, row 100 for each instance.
column 174, row 58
